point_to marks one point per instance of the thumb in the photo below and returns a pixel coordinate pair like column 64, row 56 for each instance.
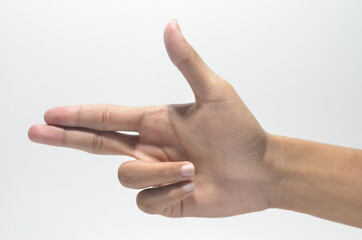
column 200, row 77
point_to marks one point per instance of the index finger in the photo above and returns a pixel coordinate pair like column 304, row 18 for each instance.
column 103, row 117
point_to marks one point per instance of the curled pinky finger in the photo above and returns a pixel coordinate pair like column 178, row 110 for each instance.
column 161, row 200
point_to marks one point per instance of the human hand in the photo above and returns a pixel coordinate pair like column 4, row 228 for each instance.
column 216, row 142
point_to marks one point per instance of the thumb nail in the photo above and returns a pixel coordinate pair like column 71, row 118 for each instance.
column 177, row 26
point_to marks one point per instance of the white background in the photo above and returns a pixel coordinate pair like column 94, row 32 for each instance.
column 296, row 64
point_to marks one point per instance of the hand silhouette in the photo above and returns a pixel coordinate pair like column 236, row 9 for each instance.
column 207, row 159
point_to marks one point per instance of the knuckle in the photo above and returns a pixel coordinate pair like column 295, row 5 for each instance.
column 106, row 116
column 183, row 62
column 187, row 59
column 227, row 87
column 145, row 205
column 220, row 84
column 64, row 138
column 223, row 91
column 125, row 176
column 79, row 113
column 97, row 143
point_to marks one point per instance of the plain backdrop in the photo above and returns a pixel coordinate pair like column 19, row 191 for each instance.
column 295, row 63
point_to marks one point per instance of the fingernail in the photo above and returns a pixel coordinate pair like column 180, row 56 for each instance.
column 177, row 25
column 190, row 187
column 188, row 170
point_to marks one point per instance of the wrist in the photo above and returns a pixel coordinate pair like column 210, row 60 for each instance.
column 273, row 159
column 314, row 178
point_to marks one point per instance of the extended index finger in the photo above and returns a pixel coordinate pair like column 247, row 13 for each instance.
column 103, row 117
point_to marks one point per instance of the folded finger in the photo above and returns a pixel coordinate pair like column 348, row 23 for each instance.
column 157, row 200
column 142, row 174
column 96, row 142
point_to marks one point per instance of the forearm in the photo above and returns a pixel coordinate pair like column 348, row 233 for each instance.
column 318, row 179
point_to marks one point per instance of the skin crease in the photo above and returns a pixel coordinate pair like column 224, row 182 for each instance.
column 234, row 166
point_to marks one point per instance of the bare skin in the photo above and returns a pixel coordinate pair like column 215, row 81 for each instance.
column 210, row 158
